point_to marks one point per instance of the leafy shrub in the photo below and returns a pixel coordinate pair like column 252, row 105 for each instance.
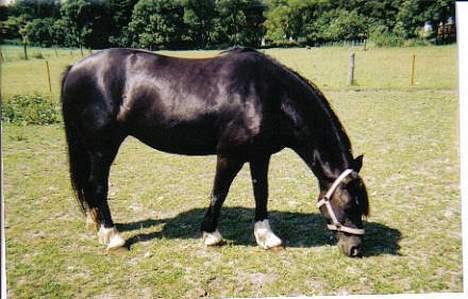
column 386, row 39
column 30, row 110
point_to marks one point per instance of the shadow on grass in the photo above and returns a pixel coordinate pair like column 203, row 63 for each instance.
column 236, row 226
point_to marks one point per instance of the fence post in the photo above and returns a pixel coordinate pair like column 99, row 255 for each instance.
column 48, row 76
column 351, row 69
column 1, row 56
column 413, row 64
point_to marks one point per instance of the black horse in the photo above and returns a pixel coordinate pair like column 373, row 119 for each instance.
column 242, row 106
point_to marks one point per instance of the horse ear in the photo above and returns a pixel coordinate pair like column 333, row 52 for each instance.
column 357, row 165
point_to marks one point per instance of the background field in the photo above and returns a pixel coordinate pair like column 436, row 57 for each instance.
column 408, row 135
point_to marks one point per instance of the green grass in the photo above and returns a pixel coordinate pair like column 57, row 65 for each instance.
column 411, row 167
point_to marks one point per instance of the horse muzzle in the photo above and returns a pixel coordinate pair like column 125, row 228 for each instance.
column 350, row 245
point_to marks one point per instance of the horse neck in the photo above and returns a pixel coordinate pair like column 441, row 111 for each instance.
column 324, row 144
column 327, row 163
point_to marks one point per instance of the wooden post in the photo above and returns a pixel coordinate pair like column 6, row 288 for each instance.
column 1, row 55
column 413, row 64
column 351, row 69
column 48, row 75
column 365, row 45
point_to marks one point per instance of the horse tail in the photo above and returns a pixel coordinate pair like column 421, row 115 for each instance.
column 79, row 161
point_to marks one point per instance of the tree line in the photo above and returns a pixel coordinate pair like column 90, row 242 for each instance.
column 202, row 24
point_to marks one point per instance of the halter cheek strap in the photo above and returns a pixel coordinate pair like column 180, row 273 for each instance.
column 336, row 225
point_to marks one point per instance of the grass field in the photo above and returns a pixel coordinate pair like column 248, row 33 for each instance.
column 408, row 135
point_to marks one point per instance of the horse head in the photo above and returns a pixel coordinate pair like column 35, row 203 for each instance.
column 344, row 204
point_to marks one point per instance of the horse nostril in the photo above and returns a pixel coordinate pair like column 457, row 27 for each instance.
column 355, row 251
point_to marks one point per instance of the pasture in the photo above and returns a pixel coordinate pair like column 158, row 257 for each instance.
column 409, row 136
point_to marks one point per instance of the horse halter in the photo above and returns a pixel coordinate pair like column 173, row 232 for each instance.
column 336, row 225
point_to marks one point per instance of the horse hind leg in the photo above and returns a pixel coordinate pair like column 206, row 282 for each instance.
column 101, row 161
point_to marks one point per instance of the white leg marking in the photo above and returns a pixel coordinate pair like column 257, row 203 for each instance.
column 110, row 237
column 264, row 235
column 211, row 239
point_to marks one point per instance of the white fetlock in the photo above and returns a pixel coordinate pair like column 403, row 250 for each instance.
column 264, row 235
column 110, row 237
column 211, row 239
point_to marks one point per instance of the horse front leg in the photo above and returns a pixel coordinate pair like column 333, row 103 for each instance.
column 263, row 234
column 226, row 170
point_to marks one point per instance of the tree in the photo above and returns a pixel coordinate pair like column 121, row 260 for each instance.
column 199, row 16
column 121, row 15
column 88, row 23
column 413, row 14
column 298, row 21
column 41, row 32
column 34, row 9
column 347, row 25
column 254, row 30
column 239, row 22
column 157, row 24
column 75, row 16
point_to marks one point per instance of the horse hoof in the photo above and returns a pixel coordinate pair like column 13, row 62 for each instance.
column 264, row 236
column 116, row 242
column 110, row 237
column 212, row 239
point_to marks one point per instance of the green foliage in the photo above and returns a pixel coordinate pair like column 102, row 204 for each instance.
column 30, row 110
column 347, row 25
column 382, row 38
column 171, row 24
column 41, row 32
column 311, row 22
column 121, row 15
column 413, row 13
column 157, row 24
column 77, row 21
column 239, row 22
column 200, row 17
column 9, row 28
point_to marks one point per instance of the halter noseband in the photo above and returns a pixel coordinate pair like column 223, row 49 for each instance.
column 336, row 225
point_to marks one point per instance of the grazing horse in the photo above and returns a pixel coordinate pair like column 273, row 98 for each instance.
column 241, row 105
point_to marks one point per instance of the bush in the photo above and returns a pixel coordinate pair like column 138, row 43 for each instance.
column 387, row 39
column 30, row 110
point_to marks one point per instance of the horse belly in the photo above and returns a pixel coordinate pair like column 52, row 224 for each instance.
column 186, row 140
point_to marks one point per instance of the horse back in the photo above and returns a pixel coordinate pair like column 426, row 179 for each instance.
column 187, row 106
